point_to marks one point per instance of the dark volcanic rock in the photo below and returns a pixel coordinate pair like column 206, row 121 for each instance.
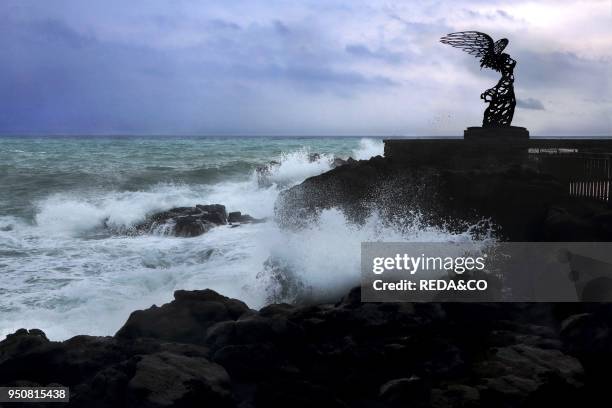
column 21, row 342
column 515, row 373
column 107, row 372
column 254, row 346
column 412, row 391
column 193, row 221
column 588, row 336
column 237, row 217
column 523, row 204
column 184, row 320
column 168, row 380
column 251, row 330
column 350, row 187
column 204, row 348
column 214, row 213
column 186, row 221
column 191, row 226
column 234, row 216
column 337, row 162
column 63, row 363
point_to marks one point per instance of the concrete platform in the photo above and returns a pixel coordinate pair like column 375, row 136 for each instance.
column 505, row 132
column 476, row 152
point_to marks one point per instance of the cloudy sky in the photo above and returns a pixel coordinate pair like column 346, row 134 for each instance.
column 296, row 67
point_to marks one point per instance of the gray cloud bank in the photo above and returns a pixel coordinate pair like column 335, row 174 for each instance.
column 530, row 103
column 283, row 68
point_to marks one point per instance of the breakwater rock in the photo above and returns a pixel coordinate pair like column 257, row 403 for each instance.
column 521, row 203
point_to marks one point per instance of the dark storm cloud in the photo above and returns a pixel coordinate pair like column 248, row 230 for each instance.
column 60, row 80
column 530, row 103
column 303, row 67
column 554, row 70
column 311, row 77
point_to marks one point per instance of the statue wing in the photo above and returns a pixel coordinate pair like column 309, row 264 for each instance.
column 473, row 42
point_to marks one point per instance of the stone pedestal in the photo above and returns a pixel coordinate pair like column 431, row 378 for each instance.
column 501, row 132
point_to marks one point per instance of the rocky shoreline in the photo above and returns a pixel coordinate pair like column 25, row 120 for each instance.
column 204, row 348
column 516, row 202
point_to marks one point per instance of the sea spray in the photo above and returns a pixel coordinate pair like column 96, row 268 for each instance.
column 368, row 148
column 322, row 260
column 69, row 268
column 294, row 167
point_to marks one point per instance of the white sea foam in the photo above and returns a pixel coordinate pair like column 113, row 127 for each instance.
column 67, row 214
column 324, row 258
column 369, row 148
column 71, row 214
column 60, row 276
column 296, row 166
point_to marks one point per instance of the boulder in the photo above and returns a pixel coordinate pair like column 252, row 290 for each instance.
column 184, row 320
column 192, row 221
column 21, row 342
column 588, row 337
column 338, row 162
column 277, row 310
column 168, row 380
column 249, row 362
column 236, row 217
column 191, row 226
column 69, row 363
column 185, row 221
column 98, row 369
column 214, row 213
column 204, row 348
column 412, row 391
column 251, row 330
column 515, row 374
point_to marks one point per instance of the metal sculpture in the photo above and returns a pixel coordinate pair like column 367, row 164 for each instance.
column 501, row 98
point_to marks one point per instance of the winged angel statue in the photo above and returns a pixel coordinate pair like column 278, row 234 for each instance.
column 501, row 98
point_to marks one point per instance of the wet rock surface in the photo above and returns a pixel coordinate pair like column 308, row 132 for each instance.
column 206, row 349
column 167, row 379
column 237, row 218
column 192, row 221
column 185, row 320
column 519, row 203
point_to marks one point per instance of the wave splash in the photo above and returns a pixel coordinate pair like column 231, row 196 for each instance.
column 69, row 272
column 369, row 148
